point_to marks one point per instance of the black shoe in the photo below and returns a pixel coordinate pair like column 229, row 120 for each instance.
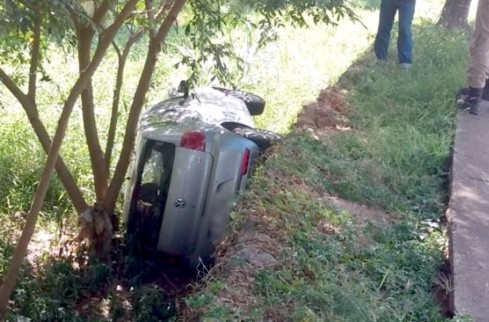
column 468, row 99
column 470, row 104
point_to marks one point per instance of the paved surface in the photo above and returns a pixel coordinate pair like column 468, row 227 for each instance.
column 469, row 215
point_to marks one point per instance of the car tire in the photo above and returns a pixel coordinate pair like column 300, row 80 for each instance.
column 264, row 139
column 254, row 103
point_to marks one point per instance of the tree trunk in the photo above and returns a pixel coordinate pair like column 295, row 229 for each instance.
column 97, row 157
column 62, row 170
column 122, row 59
column 114, row 117
column 137, row 104
column 29, row 105
column 454, row 14
column 21, row 249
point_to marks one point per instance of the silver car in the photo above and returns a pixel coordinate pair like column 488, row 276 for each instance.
column 194, row 155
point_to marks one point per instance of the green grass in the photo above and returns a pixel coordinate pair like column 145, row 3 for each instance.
column 397, row 158
column 297, row 67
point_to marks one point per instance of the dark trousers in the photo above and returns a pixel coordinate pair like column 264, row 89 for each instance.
column 388, row 9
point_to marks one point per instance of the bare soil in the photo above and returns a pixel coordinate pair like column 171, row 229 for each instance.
column 258, row 242
column 330, row 112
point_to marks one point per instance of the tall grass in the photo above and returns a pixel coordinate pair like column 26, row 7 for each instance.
column 292, row 71
column 396, row 157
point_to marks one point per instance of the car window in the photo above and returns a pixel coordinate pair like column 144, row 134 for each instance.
column 151, row 190
column 156, row 171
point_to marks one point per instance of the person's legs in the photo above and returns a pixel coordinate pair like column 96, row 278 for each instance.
column 388, row 10
column 405, row 39
column 479, row 58
column 479, row 48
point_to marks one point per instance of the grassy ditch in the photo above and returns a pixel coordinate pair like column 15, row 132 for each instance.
column 343, row 222
column 384, row 144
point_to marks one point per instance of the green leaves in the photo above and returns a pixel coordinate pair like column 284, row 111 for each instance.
column 18, row 21
column 209, row 24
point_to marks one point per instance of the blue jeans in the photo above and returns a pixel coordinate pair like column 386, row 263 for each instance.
column 388, row 9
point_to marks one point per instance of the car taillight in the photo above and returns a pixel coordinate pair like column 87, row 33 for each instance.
column 193, row 140
column 246, row 162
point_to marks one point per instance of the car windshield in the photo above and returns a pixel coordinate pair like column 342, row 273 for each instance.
column 151, row 189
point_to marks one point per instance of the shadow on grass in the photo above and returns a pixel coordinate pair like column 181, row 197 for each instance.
column 129, row 288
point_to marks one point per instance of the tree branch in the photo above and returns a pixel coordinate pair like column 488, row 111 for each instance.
column 97, row 157
column 101, row 11
column 12, row 87
column 122, row 56
column 150, row 11
column 163, row 10
column 21, row 249
column 170, row 19
column 30, row 108
column 35, row 57
column 110, row 32
column 137, row 104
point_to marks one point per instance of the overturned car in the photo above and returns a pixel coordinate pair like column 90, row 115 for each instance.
column 194, row 155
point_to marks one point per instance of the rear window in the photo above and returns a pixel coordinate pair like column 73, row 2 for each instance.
column 151, row 190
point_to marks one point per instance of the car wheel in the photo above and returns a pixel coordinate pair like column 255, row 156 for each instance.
column 264, row 139
column 254, row 103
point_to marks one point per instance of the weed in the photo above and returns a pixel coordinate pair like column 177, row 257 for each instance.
column 331, row 266
column 152, row 305
column 395, row 157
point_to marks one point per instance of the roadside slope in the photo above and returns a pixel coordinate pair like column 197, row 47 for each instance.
column 379, row 139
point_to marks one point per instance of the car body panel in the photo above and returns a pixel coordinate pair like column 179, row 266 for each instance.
column 186, row 198
column 191, row 192
column 206, row 109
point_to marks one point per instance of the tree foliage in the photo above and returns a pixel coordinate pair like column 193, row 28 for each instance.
column 91, row 28
column 210, row 20
column 81, row 23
